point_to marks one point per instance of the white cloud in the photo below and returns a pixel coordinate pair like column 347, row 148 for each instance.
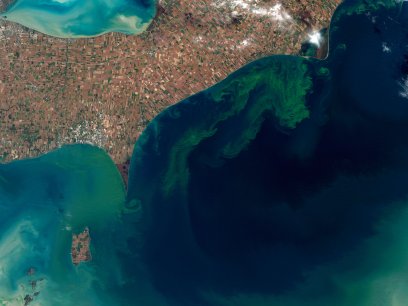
column 315, row 38
column 386, row 48
column 275, row 12
column 245, row 42
column 404, row 86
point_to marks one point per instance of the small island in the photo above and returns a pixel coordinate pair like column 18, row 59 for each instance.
column 80, row 249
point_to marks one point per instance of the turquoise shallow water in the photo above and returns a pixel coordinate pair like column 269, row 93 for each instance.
column 82, row 18
column 283, row 185
column 42, row 202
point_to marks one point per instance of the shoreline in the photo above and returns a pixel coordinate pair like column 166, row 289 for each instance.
column 124, row 172
column 113, row 74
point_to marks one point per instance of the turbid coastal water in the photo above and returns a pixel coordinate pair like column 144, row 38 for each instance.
column 82, row 18
column 286, row 184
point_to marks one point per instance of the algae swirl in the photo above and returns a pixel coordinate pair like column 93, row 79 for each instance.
column 283, row 185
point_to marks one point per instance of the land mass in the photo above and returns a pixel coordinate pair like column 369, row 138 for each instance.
column 105, row 90
column 80, row 249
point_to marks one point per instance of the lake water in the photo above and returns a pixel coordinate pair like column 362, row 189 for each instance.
column 82, row 18
column 284, row 185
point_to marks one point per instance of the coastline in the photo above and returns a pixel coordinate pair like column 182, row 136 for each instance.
column 90, row 73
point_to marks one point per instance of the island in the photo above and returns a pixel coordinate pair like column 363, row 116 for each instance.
column 80, row 249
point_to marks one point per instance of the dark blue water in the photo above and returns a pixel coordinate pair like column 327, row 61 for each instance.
column 284, row 185
column 261, row 213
